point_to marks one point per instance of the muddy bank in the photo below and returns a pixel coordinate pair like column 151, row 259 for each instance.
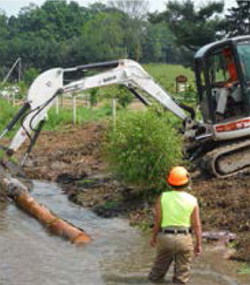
column 225, row 205
column 73, row 158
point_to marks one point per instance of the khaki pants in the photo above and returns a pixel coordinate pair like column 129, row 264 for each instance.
column 177, row 248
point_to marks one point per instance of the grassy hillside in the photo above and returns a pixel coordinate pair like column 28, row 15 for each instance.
column 166, row 74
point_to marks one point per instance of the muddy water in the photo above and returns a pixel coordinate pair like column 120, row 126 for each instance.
column 119, row 254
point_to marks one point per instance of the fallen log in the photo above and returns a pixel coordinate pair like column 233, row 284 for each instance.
column 19, row 193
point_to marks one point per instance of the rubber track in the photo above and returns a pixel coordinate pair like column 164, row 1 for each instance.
column 210, row 160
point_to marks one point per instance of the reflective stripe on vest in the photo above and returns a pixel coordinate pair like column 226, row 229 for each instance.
column 177, row 207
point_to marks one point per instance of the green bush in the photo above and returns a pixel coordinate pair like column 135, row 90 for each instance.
column 93, row 96
column 124, row 96
column 143, row 147
column 30, row 75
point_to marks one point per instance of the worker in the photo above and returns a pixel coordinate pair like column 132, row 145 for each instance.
column 176, row 213
column 229, row 86
column 233, row 77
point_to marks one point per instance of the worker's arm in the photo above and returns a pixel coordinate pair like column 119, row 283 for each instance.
column 196, row 226
column 157, row 222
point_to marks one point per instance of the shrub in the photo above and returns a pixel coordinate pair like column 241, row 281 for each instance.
column 93, row 96
column 124, row 96
column 30, row 75
column 143, row 147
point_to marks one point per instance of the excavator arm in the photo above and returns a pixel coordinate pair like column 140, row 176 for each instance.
column 48, row 85
column 130, row 74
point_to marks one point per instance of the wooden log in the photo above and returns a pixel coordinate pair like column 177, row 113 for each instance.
column 18, row 192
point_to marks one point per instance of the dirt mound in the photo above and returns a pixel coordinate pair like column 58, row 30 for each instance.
column 74, row 159
column 225, row 205
column 75, row 151
column 225, row 202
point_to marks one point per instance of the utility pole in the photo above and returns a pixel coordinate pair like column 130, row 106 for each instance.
column 17, row 62
column 20, row 69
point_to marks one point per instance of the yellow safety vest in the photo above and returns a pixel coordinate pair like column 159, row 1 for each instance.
column 176, row 208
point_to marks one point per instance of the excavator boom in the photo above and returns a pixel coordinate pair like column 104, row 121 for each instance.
column 130, row 74
column 48, row 85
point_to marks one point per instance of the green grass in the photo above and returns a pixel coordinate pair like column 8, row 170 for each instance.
column 54, row 122
column 84, row 115
column 166, row 74
column 245, row 269
column 7, row 112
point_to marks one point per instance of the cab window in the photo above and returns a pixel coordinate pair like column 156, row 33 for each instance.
column 244, row 57
column 218, row 68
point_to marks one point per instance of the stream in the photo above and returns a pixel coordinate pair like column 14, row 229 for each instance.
column 118, row 254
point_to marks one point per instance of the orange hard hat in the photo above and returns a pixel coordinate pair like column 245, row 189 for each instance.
column 178, row 176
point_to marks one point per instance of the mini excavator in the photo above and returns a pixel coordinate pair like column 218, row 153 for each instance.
column 220, row 143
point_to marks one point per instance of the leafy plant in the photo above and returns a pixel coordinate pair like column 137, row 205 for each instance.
column 93, row 96
column 124, row 96
column 1, row 154
column 143, row 147
column 245, row 269
column 7, row 113
column 30, row 75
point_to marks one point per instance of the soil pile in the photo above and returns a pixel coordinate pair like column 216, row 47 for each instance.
column 225, row 205
column 74, row 159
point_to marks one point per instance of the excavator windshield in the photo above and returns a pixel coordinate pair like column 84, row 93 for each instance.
column 244, row 57
column 218, row 67
column 223, row 81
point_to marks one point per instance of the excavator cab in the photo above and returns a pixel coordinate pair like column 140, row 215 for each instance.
column 222, row 72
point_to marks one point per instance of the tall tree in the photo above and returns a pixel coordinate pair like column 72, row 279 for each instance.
column 42, row 35
column 158, row 44
column 4, row 35
column 238, row 22
column 193, row 27
column 135, row 9
column 102, row 39
column 134, row 21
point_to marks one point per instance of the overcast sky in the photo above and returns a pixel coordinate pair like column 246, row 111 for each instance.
column 12, row 7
